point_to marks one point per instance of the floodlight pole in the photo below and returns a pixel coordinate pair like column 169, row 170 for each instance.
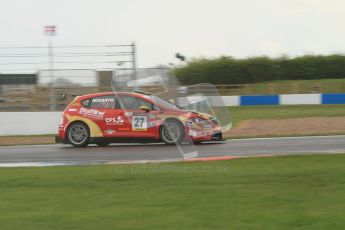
column 51, row 74
column 134, row 64
column 50, row 32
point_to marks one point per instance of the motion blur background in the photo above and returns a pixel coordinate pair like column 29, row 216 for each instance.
column 266, row 47
column 279, row 64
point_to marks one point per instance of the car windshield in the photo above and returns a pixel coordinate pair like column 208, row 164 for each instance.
column 165, row 103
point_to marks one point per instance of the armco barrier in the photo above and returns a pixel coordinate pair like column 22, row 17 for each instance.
column 300, row 99
column 293, row 99
column 260, row 100
column 36, row 123
column 333, row 98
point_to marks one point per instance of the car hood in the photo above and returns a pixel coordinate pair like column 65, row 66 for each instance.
column 201, row 114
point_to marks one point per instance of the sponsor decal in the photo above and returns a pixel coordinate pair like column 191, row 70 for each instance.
column 72, row 110
column 139, row 114
column 114, row 120
column 103, row 100
column 139, row 123
column 95, row 131
column 123, row 129
column 109, row 131
column 91, row 113
column 152, row 116
column 151, row 124
column 195, row 133
column 192, row 133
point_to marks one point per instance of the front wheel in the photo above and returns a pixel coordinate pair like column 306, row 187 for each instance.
column 78, row 134
column 172, row 132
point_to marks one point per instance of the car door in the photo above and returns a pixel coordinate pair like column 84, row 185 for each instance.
column 137, row 123
column 103, row 112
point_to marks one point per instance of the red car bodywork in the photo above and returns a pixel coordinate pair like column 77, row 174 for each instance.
column 116, row 124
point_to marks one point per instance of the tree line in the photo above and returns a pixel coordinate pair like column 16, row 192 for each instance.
column 228, row 70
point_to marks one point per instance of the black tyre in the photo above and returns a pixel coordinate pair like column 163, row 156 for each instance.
column 172, row 132
column 102, row 144
column 78, row 134
column 197, row 142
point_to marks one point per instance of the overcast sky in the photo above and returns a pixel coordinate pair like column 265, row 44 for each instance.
column 195, row 28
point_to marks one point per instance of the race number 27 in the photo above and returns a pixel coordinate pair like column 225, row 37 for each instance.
column 139, row 123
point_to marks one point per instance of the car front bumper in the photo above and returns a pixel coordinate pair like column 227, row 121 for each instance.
column 216, row 135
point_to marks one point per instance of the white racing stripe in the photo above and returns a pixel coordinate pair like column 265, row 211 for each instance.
column 34, row 164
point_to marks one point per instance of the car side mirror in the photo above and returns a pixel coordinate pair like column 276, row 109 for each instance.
column 143, row 107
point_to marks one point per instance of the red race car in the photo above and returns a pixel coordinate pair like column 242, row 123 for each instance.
column 136, row 117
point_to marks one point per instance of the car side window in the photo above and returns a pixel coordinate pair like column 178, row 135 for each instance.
column 103, row 102
column 127, row 102
column 142, row 102
column 86, row 103
column 133, row 103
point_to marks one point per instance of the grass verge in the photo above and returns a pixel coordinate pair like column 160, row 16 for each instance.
column 241, row 113
column 290, row 192
column 288, row 87
column 27, row 140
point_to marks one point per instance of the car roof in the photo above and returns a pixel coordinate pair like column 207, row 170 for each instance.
column 112, row 93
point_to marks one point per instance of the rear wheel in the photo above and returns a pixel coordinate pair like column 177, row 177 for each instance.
column 172, row 132
column 78, row 134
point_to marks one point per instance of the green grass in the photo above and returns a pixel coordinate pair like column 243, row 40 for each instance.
column 308, row 86
column 241, row 113
column 292, row 192
column 288, row 86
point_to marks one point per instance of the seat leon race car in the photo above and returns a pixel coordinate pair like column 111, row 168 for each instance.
column 137, row 117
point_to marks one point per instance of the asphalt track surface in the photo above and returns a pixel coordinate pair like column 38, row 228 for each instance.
column 147, row 152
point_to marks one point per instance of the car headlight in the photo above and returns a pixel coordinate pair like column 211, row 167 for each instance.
column 198, row 120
